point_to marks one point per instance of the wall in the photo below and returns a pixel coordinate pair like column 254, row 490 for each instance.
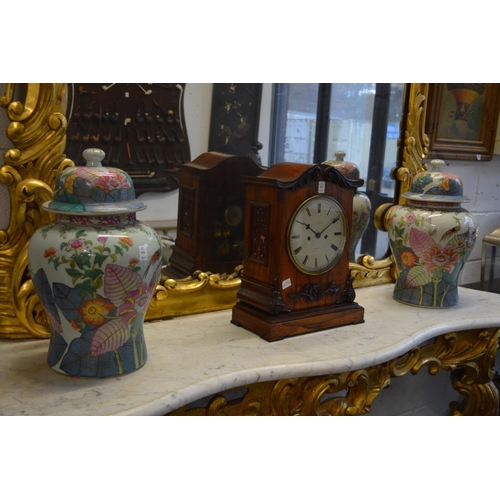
column 481, row 181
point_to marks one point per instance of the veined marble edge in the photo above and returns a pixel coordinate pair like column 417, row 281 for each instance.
column 470, row 299
column 230, row 381
column 227, row 382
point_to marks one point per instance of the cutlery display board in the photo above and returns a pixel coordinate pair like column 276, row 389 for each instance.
column 139, row 126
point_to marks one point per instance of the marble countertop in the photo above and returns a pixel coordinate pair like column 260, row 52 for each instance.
column 194, row 356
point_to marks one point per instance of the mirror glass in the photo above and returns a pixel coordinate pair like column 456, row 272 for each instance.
column 312, row 122
column 37, row 129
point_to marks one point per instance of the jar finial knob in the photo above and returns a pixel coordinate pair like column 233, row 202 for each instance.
column 339, row 155
column 93, row 156
column 437, row 165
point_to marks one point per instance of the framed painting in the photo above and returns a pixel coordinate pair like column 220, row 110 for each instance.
column 462, row 120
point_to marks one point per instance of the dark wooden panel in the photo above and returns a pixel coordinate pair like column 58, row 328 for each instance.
column 140, row 127
column 234, row 122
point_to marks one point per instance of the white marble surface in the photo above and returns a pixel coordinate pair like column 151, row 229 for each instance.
column 199, row 355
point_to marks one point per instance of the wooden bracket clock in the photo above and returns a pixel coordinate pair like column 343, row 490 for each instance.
column 296, row 276
column 210, row 222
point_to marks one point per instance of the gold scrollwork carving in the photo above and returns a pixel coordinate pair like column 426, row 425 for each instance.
column 468, row 355
column 6, row 99
column 38, row 131
column 416, row 142
column 369, row 271
column 202, row 292
column 302, row 396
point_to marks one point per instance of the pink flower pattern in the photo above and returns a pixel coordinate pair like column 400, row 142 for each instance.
column 77, row 244
column 439, row 257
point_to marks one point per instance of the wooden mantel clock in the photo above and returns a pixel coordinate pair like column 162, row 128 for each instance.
column 210, row 222
column 296, row 276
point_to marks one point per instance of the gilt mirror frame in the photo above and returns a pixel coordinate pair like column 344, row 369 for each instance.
column 38, row 131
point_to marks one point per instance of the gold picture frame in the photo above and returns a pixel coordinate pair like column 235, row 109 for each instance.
column 462, row 120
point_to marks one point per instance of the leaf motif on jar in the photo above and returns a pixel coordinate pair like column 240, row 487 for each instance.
column 420, row 242
column 109, row 337
column 118, row 281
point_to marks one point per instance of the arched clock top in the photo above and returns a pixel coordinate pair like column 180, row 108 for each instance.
column 288, row 175
column 221, row 163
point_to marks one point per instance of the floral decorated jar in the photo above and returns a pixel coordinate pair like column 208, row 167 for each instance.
column 431, row 237
column 361, row 205
column 95, row 269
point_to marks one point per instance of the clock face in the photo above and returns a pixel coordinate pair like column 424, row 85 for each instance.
column 317, row 234
column 233, row 215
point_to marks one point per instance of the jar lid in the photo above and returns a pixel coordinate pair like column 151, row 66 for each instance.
column 94, row 189
column 346, row 168
column 437, row 186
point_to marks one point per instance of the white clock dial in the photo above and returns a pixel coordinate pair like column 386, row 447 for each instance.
column 233, row 215
column 317, row 234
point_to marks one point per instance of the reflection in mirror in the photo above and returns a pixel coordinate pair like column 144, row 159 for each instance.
column 312, row 121
column 211, row 219
column 37, row 130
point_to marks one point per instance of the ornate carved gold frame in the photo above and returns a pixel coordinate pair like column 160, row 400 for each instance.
column 38, row 132
column 469, row 355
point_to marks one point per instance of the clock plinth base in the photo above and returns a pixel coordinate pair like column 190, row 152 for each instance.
column 286, row 325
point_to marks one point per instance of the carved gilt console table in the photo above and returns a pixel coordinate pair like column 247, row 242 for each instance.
column 333, row 372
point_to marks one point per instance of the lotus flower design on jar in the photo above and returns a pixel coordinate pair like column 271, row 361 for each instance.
column 431, row 238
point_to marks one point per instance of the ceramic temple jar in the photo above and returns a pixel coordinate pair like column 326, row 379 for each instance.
column 431, row 237
column 95, row 269
column 361, row 205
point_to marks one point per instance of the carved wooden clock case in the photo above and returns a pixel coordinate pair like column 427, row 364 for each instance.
column 296, row 276
column 210, row 225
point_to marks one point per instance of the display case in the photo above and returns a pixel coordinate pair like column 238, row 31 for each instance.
column 490, row 262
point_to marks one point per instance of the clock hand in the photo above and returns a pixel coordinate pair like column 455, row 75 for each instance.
column 333, row 222
column 310, row 228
